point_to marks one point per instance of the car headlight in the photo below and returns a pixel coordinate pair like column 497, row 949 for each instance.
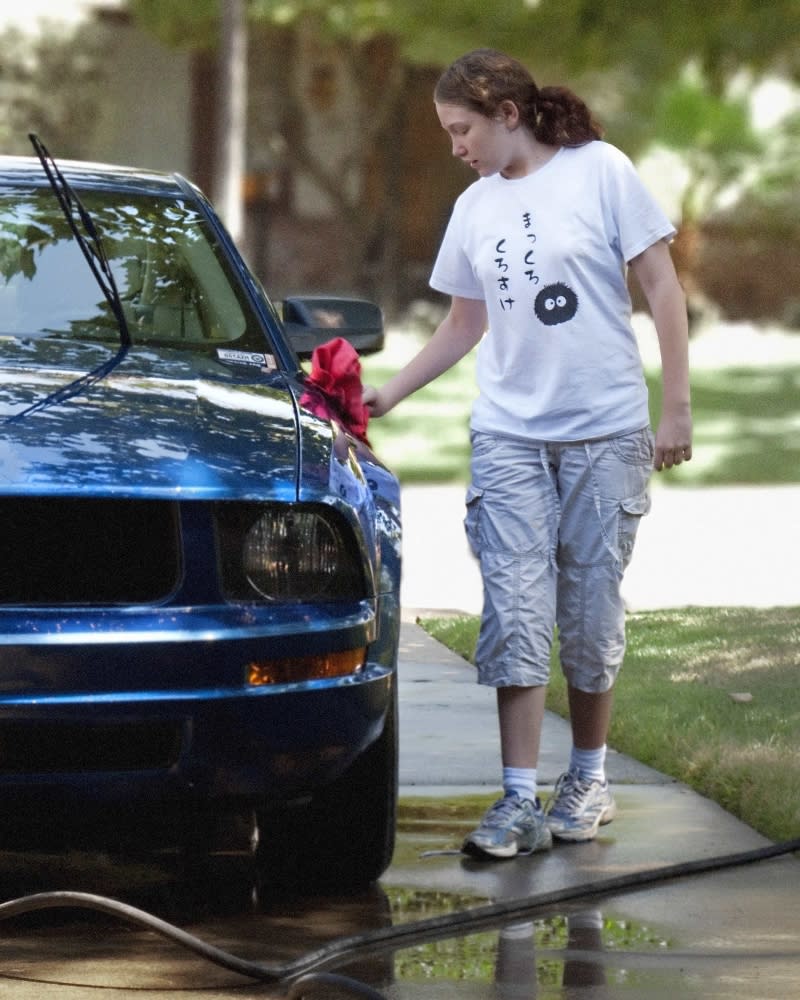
column 288, row 553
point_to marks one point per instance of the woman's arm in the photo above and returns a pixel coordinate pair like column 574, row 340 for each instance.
column 655, row 273
column 456, row 335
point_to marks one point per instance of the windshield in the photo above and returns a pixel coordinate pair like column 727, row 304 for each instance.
column 174, row 284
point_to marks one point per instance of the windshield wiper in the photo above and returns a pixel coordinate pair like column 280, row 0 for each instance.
column 94, row 252
column 86, row 236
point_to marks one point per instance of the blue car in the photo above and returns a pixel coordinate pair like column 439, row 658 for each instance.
column 200, row 575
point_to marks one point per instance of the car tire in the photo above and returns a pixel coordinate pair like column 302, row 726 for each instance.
column 343, row 840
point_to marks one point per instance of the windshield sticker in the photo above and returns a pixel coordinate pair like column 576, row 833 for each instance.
column 247, row 358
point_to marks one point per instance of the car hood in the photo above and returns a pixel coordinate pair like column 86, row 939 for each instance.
column 158, row 423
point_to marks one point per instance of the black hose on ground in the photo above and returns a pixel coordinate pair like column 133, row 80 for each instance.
column 298, row 972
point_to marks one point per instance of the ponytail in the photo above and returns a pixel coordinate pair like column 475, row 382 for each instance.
column 563, row 119
column 483, row 79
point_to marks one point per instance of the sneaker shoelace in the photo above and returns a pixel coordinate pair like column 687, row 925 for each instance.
column 572, row 791
column 503, row 810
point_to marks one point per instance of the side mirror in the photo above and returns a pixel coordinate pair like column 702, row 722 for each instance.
column 313, row 320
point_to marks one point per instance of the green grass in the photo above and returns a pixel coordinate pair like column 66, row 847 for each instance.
column 746, row 427
column 709, row 696
column 746, row 421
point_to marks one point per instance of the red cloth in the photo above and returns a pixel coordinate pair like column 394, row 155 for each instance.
column 336, row 371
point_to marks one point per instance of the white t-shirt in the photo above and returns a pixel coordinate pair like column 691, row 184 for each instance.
column 548, row 254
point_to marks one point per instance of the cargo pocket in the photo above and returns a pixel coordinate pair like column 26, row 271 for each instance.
column 637, row 448
column 632, row 510
column 472, row 519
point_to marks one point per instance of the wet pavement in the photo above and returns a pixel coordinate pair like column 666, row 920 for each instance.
column 594, row 921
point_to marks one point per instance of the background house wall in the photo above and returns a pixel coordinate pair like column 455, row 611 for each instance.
column 144, row 118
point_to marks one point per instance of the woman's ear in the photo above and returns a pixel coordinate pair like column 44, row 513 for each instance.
column 508, row 114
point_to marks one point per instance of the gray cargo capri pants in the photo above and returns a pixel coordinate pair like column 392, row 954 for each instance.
column 553, row 526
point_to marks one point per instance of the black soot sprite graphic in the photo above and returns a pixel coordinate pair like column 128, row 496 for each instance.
column 556, row 304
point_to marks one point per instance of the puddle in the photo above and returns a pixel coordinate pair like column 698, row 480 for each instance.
column 574, row 951
column 580, row 950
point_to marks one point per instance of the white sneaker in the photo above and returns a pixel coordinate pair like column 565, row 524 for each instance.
column 513, row 825
column 578, row 807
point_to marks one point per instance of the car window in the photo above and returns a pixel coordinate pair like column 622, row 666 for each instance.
column 176, row 287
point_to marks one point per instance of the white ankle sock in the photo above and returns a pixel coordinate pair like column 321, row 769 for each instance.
column 590, row 764
column 521, row 780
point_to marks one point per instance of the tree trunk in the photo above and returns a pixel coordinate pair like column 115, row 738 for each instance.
column 232, row 118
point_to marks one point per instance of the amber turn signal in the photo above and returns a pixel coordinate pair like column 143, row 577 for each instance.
column 290, row 670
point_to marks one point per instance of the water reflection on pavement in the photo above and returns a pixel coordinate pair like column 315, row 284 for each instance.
column 590, row 948
column 73, row 953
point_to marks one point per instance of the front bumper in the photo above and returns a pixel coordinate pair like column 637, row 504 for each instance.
column 150, row 710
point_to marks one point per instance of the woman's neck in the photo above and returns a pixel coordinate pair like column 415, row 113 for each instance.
column 531, row 156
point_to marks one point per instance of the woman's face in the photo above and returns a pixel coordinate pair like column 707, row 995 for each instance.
column 488, row 145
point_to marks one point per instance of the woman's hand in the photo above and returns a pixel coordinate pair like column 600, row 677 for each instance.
column 673, row 441
column 371, row 398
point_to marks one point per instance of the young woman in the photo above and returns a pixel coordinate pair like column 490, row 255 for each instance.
column 534, row 259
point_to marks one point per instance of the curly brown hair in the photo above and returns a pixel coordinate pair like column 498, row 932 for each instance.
column 483, row 79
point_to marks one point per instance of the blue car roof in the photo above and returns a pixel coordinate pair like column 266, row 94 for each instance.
column 29, row 171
